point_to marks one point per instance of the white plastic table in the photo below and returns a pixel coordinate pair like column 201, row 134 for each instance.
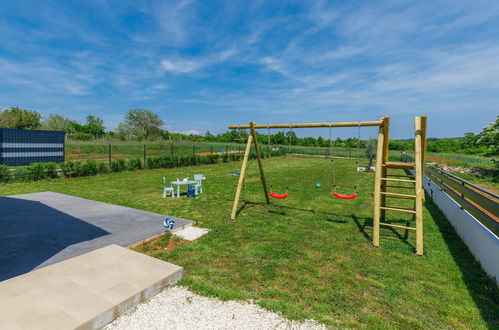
column 180, row 183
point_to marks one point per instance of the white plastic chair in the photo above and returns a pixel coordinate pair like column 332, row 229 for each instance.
column 199, row 183
column 168, row 189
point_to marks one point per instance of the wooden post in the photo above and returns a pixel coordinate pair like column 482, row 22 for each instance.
column 241, row 178
column 377, row 184
column 419, row 185
column 260, row 165
column 384, row 170
column 145, row 155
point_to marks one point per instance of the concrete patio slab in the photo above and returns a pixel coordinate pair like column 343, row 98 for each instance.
column 41, row 229
column 84, row 292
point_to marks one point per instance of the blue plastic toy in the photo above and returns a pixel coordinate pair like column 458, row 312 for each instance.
column 169, row 223
column 317, row 185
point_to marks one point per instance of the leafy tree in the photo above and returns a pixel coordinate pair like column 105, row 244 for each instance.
column 59, row 123
column 370, row 153
column 489, row 137
column 6, row 121
column 145, row 120
column 94, row 126
column 19, row 118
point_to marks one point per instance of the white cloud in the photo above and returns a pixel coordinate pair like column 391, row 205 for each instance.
column 182, row 65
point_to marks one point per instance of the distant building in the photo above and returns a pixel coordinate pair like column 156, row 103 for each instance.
column 23, row 147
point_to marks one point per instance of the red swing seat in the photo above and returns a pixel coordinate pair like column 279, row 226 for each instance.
column 273, row 194
column 344, row 196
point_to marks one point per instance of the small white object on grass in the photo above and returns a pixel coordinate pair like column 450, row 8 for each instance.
column 192, row 233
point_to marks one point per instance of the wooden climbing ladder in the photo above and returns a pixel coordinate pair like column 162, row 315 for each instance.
column 412, row 182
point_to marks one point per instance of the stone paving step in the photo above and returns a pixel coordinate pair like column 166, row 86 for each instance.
column 84, row 292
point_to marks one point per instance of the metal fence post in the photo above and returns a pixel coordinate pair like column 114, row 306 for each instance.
column 172, row 148
column 145, row 154
column 350, row 153
column 193, row 149
column 109, row 154
column 211, row 148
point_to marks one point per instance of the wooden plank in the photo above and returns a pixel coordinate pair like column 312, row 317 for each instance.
column 396, row 226
column 400, row 187
column 398, row 180
column 311, row 125
column 399, row 165
column 384, row 170
column 399, row 195
column 398, row 209
column 400, row 175
column 419, row 185
column 482, row 201
column 377, row 186
column 241, row 177
column 260, row 165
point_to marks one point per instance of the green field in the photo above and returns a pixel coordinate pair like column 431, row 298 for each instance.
column 308, row 256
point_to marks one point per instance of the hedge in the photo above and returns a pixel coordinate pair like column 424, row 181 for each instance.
column 73, row 169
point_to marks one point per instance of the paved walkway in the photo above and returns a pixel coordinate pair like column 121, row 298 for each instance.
column 41, row 229
column 85, row 292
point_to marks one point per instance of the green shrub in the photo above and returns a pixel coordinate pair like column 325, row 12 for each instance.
column 134, row 164
column 102, row 168
column 21, row 175
column 88, row 168
column 225, row 158
column 36, row 171
column 118, row 165
column 51, row 170
column 70, row 169
column 5, row 175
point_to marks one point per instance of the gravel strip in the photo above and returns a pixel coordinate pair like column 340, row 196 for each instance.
column 178, row 308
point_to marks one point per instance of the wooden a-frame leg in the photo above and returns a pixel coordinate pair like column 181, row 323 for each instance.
column 419, row 185
column 377, row 187
column 241, row 178
column 260, row 164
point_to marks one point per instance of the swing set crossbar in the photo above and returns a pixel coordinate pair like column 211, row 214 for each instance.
column 310, row 125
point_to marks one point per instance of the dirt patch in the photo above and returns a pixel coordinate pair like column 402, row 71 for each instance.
column 156, row 245
column 441, row 160
column 71, row 154
column 219, row 153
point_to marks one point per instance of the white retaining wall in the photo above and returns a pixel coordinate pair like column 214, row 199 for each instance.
column 481, row 241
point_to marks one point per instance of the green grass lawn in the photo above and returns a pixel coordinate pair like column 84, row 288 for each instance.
column 310, row 255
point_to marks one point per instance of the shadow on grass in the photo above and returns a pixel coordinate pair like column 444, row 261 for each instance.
column 481, row 287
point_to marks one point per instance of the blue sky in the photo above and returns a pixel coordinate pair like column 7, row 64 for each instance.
column 203, row 65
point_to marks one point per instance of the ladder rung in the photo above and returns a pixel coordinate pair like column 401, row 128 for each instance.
column 398, row 180
column 400, row 165
column 397, row 209
column 396, row 226
column 398, row 195
column 401, row 176
column 399, row 187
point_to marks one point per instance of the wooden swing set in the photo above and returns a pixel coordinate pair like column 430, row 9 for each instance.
column 383, row 179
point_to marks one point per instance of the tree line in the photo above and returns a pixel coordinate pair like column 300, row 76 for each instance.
column 144, row 125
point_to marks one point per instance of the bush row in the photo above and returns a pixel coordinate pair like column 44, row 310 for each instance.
column 72, row 169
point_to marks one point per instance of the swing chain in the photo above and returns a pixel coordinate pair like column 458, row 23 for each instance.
column 331, row 155
column 357, row 160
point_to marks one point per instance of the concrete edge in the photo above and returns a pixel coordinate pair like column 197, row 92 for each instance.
column 110, row 315
column 152, row 238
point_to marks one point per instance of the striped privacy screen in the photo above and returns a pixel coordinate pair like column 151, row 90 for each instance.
column 23, row 147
